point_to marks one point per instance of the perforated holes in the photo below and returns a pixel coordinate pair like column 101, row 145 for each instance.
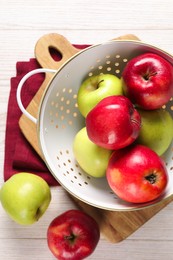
column 106, row 65
column 68, row 111
column 64, row 108
column 70, row 122
column 90, row 74
column 125, row 60
column 70, row 169
column 169, row 105
column 113, row 194
column 108, row 56
column 117, row 63
column 74, row 114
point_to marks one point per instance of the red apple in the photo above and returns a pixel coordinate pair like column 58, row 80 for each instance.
column 73, row 235
column 148, row 81
column 113, row 123
column 137, row 174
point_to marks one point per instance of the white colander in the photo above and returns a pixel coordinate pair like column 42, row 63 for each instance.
column 59, row 120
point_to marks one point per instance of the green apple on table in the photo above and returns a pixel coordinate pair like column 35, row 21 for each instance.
column 95, row 88
column 25, row 197
column 92, row 159
column 156, row 129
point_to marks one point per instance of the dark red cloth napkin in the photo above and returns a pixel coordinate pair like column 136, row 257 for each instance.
column 19, row 154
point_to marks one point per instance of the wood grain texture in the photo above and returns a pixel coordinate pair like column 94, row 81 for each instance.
column 22, row 23
column 117, row 226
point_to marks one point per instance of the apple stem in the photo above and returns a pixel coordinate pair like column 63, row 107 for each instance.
column 99, row 83
column 151, row 178
column 71, row 237
column 147, row 75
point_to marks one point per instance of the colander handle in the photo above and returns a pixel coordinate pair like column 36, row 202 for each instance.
column 19, row 89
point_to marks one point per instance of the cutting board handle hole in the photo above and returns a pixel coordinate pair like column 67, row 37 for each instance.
column 55, row 54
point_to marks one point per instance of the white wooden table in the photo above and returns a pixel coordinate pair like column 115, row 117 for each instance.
column 22, row 23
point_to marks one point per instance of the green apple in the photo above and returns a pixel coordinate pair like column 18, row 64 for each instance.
column 25, row 197
column 95, row 88
column 92, row 159
column 156, row 129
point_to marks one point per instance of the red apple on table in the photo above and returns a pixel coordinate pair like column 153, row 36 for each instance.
column 148, row 81
column 113, row 123
column 73, row 235
column 137, row 174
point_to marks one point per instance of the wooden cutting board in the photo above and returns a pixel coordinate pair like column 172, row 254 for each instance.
column 115, row 226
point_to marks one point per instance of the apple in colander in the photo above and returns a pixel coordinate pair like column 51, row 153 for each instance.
column 113, row 123
column 137, row 174
column 148, row 81
column 156, row 129
column 92, row 158
column 93, row 89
